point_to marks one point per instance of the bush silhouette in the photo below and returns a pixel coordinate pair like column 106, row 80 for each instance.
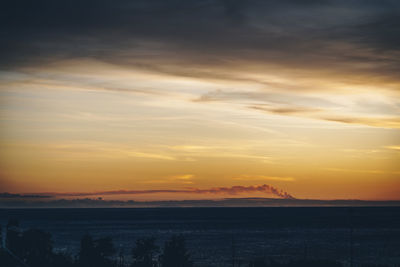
column 143, row 253
column 95, row 253
column 294, row 263
column 105, row 247
column 13, row 236
column 36, row 248
column 6, row 260
column 261, row 262
column 314, row 263
column 175, row 253
column 61, row 260
column 32, row 247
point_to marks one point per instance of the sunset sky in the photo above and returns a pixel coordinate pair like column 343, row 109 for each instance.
column 178, row 96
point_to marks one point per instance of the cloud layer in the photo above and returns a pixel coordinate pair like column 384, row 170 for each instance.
column 341, row 36
column 234, row 190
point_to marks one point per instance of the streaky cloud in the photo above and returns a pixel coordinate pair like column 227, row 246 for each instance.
column 390, row 122
column 167, row 34
column 384, row 122
column 22, row 196
column 234, row 190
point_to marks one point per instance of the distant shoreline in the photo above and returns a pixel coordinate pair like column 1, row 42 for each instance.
column 220, row 203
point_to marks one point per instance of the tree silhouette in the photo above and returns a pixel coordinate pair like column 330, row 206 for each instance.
column 87, row 251
column 105, row 247
column 314, row 263
column 13, row 236
column 36, row 248
column 143, row 253
column 6, row 260
column 61, row 260
column 175, row 253
column 261, row 262
column 95, row 253
column 12, row 222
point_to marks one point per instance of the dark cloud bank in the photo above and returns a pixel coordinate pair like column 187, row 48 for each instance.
column 361, row 36
column 22, row 196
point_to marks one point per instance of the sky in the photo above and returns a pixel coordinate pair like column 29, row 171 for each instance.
column 200, row 99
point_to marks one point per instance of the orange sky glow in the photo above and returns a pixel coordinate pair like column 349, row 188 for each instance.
column 158, row 114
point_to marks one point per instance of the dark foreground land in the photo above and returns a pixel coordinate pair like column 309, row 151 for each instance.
column 178, row 237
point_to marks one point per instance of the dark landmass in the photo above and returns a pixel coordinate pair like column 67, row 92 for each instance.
column 25, row 202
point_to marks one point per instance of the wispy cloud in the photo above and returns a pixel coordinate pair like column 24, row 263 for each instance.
column 397, row 148
column 183, row 176
column 248, row 177
column 173, row 179
column 390, row 122
column 382, row 122
column 351, row 45
column 362, row 171
column 288, row 110
column 149, row 155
